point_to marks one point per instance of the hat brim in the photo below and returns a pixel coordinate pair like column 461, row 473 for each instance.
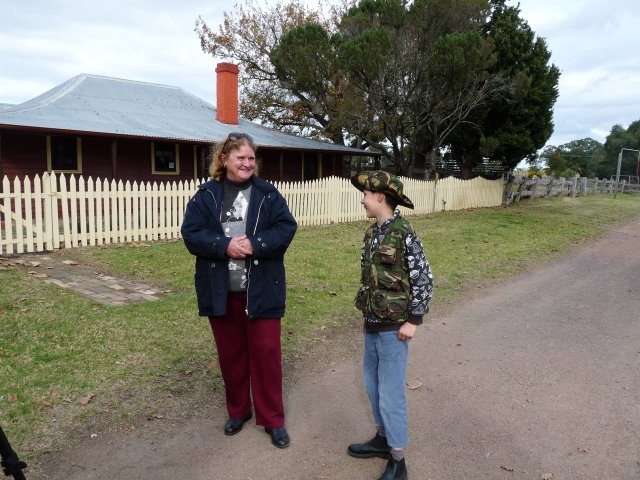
column 361, row 184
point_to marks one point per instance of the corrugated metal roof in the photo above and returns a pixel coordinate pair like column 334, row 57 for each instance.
column 105, row 105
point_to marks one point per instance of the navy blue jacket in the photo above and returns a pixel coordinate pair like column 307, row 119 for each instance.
column 270, row 228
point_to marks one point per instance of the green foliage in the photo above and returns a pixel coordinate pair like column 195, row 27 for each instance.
column 368, row 51
column 455, row 58
column 556, row 164
column 304, row 58
column 618, row 139
column 519, row 122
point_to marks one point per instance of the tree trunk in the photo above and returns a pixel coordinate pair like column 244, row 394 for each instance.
column 469, row 161
column 430, row 169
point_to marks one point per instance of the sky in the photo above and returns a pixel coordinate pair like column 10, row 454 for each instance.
column 46, row 42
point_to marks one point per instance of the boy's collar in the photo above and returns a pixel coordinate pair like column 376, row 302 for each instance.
column 395, row 215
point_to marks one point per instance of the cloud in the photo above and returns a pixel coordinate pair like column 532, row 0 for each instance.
column 592, row 45
column 44, row 43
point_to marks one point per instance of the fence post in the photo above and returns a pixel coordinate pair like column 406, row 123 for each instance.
column 521, row 187
column 550, row 186
column 52, row 218
column 508, row 190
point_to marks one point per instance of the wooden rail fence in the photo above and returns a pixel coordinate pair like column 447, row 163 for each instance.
column 518, row 187
column 52, row 212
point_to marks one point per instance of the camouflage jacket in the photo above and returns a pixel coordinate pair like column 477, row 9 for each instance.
column 396, row 281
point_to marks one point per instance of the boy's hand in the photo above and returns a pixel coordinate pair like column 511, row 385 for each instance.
column 407, row 331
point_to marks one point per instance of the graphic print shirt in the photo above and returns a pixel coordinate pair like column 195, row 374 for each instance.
column 235, row 205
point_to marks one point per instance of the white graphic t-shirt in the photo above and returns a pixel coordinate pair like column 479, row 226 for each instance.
column 235, row 205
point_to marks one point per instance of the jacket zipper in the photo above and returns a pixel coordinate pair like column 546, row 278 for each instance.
column 211, row 264
column 251, row 262
column 215, row 202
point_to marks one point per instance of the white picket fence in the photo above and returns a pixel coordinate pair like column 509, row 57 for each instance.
column 56, row 212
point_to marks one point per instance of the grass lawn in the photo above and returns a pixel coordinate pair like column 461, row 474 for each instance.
column 68, row 363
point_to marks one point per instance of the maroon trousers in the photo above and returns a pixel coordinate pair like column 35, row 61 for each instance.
column 251, row 363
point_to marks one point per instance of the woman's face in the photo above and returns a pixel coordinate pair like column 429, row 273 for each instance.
column 241, row 163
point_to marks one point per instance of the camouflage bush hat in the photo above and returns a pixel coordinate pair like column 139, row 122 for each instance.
column 382, row 182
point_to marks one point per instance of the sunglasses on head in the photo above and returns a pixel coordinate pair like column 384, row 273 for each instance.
column 238, row 136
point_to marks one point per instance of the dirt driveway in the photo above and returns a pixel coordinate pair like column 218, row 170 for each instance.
column 535, row 376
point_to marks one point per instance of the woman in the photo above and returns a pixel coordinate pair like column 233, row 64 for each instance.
column 239, row 226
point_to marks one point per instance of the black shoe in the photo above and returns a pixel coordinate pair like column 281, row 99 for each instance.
column 279, row 436
column 234, row 426
column 376, row 447
column 396, row 470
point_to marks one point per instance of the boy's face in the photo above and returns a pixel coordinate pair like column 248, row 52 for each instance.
column 373, row 203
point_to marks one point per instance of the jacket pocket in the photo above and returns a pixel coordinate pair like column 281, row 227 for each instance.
column 387, row 253
column 390, row 305
column 204, row 282
column 362, row 299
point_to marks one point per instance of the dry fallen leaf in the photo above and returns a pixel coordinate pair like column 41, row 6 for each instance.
column 70, row 262
column 508, row 468
column 583, row 450
column 546, row 476
column 42, row 404
column 211, row 364
column 86, row 399
column 414, row 384
column 12, row 398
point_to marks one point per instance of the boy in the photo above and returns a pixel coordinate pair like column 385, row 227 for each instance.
column 397, row 285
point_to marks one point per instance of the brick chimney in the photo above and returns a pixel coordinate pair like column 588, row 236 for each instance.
column 227, row 93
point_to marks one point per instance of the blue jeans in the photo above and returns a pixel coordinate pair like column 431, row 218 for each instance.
column 385, row 373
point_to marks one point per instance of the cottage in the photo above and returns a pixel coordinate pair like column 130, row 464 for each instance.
column 111, row 128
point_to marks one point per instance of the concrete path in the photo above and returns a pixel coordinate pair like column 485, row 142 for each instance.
column 535, row 377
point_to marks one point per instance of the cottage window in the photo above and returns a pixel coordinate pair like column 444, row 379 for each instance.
column 64, row 154
column 165, row 158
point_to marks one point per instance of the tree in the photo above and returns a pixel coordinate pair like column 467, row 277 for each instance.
column 418, row 70
column 460, row 84
column 305, row 66
column 556, row 164
column 580, row 157
column 518, row 123
column 249, row 36
column 421, row 69
column 377, row 51
column 618, row 139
